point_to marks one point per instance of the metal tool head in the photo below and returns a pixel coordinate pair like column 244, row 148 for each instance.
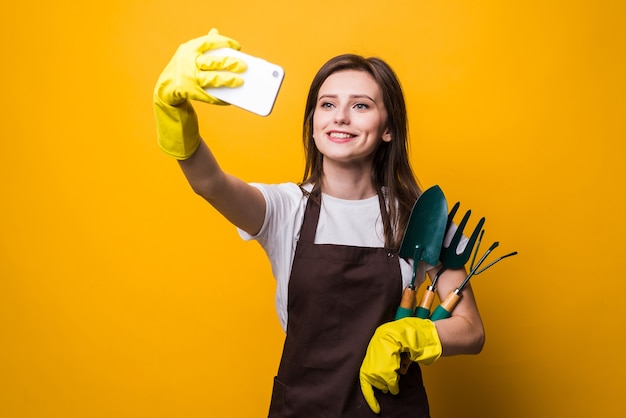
column 450, row 255
column 425, row 230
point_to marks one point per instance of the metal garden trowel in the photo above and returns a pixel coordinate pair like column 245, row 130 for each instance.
column 423, row 239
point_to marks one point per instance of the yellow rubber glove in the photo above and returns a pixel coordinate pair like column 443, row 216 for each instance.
column 184, row 79
column 415, row 336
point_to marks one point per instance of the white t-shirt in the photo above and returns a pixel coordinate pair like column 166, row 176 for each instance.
column 343, row 222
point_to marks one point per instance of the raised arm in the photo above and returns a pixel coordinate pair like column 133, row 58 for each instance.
column 186, row 76
column 242, row 204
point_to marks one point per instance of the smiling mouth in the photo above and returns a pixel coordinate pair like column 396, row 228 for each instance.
column 340, row 136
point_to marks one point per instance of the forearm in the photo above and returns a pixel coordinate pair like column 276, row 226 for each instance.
column 459, row 335
column 202, row 171
column 462, row 332
column 240, row 203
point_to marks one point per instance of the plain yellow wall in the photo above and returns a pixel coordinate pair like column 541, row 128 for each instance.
column 122, row 294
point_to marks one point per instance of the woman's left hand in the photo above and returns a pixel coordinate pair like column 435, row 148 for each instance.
column 415, row 336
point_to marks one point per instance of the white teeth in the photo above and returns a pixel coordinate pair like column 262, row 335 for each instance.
column 339, row 135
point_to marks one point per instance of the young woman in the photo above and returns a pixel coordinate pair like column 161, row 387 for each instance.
column 332, row 240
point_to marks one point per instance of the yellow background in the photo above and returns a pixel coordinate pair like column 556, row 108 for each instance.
column 122, row 294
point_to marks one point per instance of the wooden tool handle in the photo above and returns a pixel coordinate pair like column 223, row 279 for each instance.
column 449, row 303
column 423, row 310
column 407, row 304
column 427, row 298
column 444, row 310
column 408, row 298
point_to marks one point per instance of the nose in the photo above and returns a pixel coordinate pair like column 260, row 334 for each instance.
column 341, row 116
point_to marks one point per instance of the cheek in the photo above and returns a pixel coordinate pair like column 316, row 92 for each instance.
column 382, row 126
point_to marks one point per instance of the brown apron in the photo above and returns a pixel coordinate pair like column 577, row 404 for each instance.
column 338, row 295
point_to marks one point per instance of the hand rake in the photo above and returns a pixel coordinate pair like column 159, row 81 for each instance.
column 444, row 310
column 450, row 258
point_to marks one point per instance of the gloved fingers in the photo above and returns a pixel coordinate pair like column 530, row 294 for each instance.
column 202, row 96
column 368, row 394
column 394, row 386
column 387, row 381
column 209, row 62
column 216, row 40
column 207, row 79
column 381, row 378
column 384, row 382
column 212, row 40
column 375, row 381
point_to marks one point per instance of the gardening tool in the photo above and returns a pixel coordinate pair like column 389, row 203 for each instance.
column 444, row 310
column 422, row 239
column 450, row 258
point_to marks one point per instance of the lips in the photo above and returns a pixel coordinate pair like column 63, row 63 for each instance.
column 340, row 136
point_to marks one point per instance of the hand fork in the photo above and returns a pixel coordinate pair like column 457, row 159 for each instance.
column 444, row 310
column 450, row 258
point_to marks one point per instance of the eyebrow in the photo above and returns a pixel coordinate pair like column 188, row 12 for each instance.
column 352, row 96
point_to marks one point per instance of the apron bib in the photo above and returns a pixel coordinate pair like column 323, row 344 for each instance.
column 338, row 296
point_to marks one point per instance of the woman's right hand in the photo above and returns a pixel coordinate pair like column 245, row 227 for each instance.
column 190, row 70
column 186, row 76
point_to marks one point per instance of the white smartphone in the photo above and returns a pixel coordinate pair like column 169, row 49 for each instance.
column 261, row 83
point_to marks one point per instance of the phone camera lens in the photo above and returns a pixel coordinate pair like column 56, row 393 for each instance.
column 275, row 74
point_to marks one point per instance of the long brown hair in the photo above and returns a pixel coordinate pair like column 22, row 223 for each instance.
column 392, row 173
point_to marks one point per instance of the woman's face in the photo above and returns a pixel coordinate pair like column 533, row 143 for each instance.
column 350, row 119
